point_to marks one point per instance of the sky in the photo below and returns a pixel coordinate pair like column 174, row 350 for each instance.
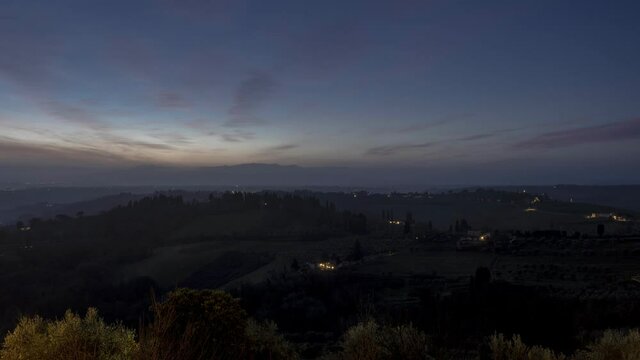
column 548, row 89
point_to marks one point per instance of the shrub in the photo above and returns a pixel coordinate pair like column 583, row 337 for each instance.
column 266, row 343
column 507, row 349
column 196, row 324
column 515, row 349
column 405, row 342
column 72, row 337
column 369, row 341
column 362, row 342
column 613, row 345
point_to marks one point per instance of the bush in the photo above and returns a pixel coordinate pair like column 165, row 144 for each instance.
column 405, row 342
column 369, row 341
column 362, row 342
column 613, row 345
column 266, row 343
column 515, row 349
column 73, row 337
column 196, row 324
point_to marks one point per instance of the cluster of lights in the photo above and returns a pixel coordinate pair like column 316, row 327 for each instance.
column 326, row 266
column 619, row 218
column 530, row 209
column 612, row 216
column 395, row 222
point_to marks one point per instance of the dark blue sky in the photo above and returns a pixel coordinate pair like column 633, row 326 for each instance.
column 550, row 88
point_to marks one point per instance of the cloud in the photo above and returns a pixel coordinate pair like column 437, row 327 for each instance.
column 237, row 136
column 282, row 147
column 19, row 153
column 173, row 138
column 616, row 131
column 73, row 113
column 412, row 128
column 132, row 143
column 170, row 99
column 476, row 137
column 249, row 96
column 393, row 149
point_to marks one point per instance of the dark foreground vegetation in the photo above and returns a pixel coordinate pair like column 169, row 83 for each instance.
column 206, row 324
column 373, row 277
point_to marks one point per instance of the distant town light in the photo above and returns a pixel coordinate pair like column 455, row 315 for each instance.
column 326, row 266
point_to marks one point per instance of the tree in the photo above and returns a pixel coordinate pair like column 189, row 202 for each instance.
column 408, row 223
column 356, row 252
column 294, row 265
column 600, row 230
column 464, row 226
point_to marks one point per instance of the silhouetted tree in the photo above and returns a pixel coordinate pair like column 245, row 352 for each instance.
column 600, row 230
column 408, row 223
column 464, row 226
column 356, row 252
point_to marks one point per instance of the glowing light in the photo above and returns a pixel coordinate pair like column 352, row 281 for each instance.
column 326, row 266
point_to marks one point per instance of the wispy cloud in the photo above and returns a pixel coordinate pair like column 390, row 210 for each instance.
column 237, row 136
column 19, row 152
column 176, row 139
column 73, row 113
column 616, row 131
column 393, row 149
column 133, row 143
column 476, row 137
column 282, row 147
column 249, row 96
column 170, row 99
column 421, row 126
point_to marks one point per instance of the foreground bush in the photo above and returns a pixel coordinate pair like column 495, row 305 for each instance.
column 73, row 338
column 209, row 324
column 266, row 343
column 196, row 324
column 515, row 349
column 370, row 341
column 613, row 345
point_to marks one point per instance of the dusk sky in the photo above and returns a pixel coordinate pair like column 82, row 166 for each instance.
column 491, row 85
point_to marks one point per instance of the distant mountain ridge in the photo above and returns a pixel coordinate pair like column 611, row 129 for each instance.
column 403, row 178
